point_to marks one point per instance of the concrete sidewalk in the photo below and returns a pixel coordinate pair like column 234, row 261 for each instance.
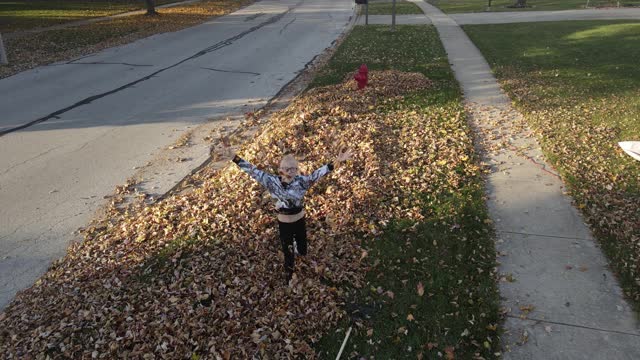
column 560, row 299
column 538, row 16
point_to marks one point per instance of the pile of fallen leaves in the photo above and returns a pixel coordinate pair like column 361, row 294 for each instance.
column 200, row 274
column 28, row 50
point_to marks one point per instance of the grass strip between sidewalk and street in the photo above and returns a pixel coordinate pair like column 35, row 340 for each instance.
column 403, row 7
column 471, row 6
column 27, row 51
column 430, row 290
column 578, row 86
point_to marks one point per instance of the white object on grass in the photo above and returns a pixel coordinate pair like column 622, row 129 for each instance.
column 344, row 343
column 632, row 148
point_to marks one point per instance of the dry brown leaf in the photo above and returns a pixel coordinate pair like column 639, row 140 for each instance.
column 420, row 288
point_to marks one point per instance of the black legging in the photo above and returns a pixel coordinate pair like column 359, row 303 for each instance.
column 288, row 233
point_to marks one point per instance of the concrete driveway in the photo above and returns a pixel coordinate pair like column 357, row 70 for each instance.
column 73, row 131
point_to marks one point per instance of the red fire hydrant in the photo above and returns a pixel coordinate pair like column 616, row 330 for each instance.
column 362, row 76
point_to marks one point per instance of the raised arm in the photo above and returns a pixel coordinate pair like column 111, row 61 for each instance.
column 265, row 179
column 324, row 170
column 317, row 174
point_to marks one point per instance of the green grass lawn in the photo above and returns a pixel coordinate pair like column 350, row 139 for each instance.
column 578, row 85
column 23, row 14
column 467, row 6
column 385, row 8
column 450, row 252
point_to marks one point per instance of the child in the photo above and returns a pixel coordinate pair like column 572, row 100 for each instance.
column 288, row 190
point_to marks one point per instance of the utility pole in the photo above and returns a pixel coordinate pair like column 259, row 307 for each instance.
column 3, row 53
column 366, row 11
column 393, row 17
column 366, row 7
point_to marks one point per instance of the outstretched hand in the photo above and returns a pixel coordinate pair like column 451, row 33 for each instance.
column 344, row 155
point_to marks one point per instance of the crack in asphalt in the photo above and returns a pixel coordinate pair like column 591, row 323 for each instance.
column 31, row 159
column 82, row 147
column 103, row 134
column 70, row 62
column 287, row 25
column 40, row 233
column 106, row 63
column 54, row 148
column 13, row 232
column 253, row 17
column 215, row 47
column 232, row 71
column 80, row 58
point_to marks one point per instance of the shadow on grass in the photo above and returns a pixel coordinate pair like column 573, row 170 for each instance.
column 390, row 317
column 451, row 253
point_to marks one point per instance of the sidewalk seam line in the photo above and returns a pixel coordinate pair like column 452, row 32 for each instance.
column 543, row 235
column 574, row 325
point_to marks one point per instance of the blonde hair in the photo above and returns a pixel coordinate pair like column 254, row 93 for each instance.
column 288, row 159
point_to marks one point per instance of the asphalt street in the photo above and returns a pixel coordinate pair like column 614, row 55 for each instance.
column 72, row 131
